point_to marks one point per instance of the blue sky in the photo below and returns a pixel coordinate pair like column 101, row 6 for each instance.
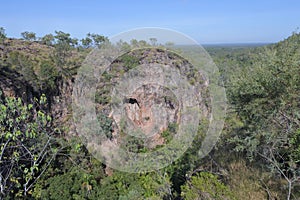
column 209, row 21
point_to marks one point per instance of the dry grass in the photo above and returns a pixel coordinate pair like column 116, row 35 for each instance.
column 248, row 183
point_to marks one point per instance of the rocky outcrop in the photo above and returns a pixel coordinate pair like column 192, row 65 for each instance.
column 13, row 86
column 151, row 108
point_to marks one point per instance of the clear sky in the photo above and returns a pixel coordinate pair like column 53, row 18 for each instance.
column 209, row 21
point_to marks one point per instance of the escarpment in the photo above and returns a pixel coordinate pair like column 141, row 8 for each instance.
column 147, row 107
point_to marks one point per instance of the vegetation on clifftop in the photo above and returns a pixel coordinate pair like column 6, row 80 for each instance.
column 257, row 157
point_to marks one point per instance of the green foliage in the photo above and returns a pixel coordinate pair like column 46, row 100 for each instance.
column 39, row 75
column 129, row 61
column 133, row 144
column 2, row 34
column 170, row 132
column 205, row 185
column 266, row 98
column 23, row 65
column 106, row 124
column 103, row 95
column 86, row 42
column 98, row 39
column 74, row 174
column 47, row 39
column 263, row 123
column 75, row 184
column 138, row 44
column 30, row 36
column 137, row 186
column 188, row 162
column 124, row 46
column 64, row 39
column 153, row 41
column 295, row 142
column 62, row 55
column 47, row 76
column 25, row 145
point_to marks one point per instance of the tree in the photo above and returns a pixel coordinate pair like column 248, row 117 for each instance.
column 64, row 39
column 86, row 42
column 63, row 48
column 47, row 76
column 134, row 43
column 124, row 46
column 98, row 39
column 153, row 41
column 2, row 34
column 169, row 44
column 26, row 147
column 266, row 98
column 204, row 186
column 30, row 36
column 120, row 185
column 48, row 39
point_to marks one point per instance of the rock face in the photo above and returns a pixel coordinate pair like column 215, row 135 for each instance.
column 153, row 105
column 20, row 64
column 12, row 86
column 148, row 109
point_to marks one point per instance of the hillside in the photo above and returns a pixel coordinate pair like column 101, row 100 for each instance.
column 42, row 157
